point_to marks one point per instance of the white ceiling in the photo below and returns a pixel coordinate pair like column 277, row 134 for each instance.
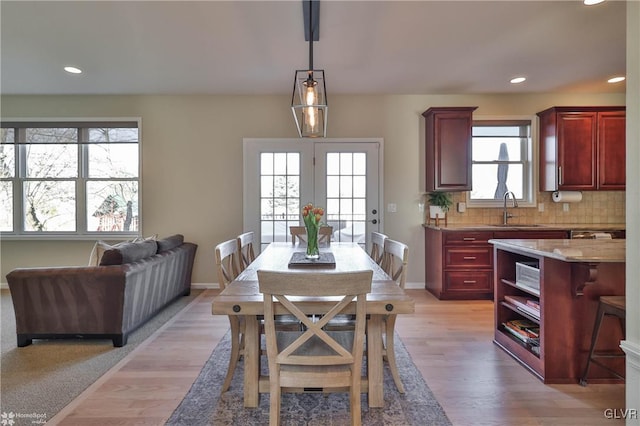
column 365, row 47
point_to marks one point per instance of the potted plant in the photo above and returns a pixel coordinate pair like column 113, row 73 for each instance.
column 439, row 204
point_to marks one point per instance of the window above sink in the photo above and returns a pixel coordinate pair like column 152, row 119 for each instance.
column 502, row 160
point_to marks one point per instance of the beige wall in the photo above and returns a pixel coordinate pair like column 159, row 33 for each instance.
column 192, row 159
column 631, row 344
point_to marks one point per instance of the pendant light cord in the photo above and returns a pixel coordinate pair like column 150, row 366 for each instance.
column 311, row 38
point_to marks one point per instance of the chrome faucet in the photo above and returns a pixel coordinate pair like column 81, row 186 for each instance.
column 505, row 214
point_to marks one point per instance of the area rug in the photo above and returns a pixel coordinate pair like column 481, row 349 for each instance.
column 42, row 378
column 203, row 404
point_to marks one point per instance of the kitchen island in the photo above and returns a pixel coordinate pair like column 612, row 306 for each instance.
column 551, row 287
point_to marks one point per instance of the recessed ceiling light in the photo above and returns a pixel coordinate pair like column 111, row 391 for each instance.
column 517, row 80
column 592, row 2
column 73, row 70
column 616, row 79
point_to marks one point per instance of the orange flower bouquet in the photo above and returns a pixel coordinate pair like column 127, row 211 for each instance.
column 312, row 217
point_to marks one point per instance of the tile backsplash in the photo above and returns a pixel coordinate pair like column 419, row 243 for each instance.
column 595, row 207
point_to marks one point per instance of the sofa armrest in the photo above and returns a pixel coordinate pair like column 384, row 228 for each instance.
column 68, row 300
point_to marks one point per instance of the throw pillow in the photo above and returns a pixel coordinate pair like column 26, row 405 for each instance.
column 101, row 246
column 98, row 251
column 129, row 252
column 171, row 242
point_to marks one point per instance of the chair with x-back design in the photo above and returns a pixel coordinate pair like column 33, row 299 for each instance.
column 227, row 267
column 396, row 258
column 314, row 358
column 377, row 246
column 246, row 254
column 300, row 233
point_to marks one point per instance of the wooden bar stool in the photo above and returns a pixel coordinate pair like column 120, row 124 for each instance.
column 612, row 306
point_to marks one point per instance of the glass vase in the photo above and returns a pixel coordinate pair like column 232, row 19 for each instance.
column 312, row 242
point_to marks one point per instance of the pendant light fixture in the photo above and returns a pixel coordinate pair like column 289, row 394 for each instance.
column 309, row 100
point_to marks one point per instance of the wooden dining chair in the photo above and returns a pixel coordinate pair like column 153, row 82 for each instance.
column 246, row 254
column 377, row 247
column 395, row 263
column 314, row 358
column 227, row 267
column 300, row 233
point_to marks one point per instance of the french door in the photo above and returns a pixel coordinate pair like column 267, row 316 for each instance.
column 280, row 176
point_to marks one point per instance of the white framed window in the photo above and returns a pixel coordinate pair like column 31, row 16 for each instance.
column 70, row 179
column 502, row 160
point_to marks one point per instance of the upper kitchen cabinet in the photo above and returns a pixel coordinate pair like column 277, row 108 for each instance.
column 582, row 148
column 448, row 148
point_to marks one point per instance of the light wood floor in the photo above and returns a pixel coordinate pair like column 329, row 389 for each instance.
column 450, row 342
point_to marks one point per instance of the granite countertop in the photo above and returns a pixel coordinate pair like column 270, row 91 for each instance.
column 569, row 250
column 529, row 227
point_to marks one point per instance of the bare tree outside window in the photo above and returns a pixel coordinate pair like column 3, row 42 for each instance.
column 67, row 172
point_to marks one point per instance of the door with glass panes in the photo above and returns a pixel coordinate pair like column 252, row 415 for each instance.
column 280, row 176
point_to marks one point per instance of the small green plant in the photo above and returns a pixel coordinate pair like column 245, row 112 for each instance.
column 441, row 199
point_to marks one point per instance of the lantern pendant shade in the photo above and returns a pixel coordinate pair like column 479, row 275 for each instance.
column 309, row 103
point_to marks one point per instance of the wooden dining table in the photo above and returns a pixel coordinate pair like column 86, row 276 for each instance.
column 242, row 297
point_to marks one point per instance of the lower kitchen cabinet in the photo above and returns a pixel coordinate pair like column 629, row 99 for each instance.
column 459, row 263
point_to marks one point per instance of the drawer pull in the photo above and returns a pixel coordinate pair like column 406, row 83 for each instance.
column 469, row 258
column 469, row 281
column 468, row 239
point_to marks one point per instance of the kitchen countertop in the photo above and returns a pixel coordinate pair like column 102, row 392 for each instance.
column 584, row 251
column 529, row 227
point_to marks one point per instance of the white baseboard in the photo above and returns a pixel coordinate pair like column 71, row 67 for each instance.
column 632, row 379
column 204, row 286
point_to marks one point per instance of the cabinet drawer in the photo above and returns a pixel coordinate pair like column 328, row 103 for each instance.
column 468, row 257
column 531, row 235
column 467, row 238
column 468, row 281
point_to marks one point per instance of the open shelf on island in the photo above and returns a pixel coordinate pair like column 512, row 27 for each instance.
column 541, row 293
column 515, row 309
column 527, row 289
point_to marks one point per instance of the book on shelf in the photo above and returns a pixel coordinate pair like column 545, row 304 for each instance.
column 525, row 324
column 521, row 335
column 534, row 304
column 523, row 304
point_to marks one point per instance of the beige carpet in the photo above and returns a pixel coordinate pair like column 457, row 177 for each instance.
column 42, row 378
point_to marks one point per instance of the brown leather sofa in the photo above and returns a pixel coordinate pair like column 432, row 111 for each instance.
column 133, row 282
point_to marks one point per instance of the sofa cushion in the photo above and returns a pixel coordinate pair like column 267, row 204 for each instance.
column 129, row 252
column 98, row 251
column 171, row 242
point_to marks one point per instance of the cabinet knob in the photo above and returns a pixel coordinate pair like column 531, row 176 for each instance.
column 469, row 258
column 468, row 239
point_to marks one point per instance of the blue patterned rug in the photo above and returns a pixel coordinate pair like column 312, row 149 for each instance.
column 203, row 404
